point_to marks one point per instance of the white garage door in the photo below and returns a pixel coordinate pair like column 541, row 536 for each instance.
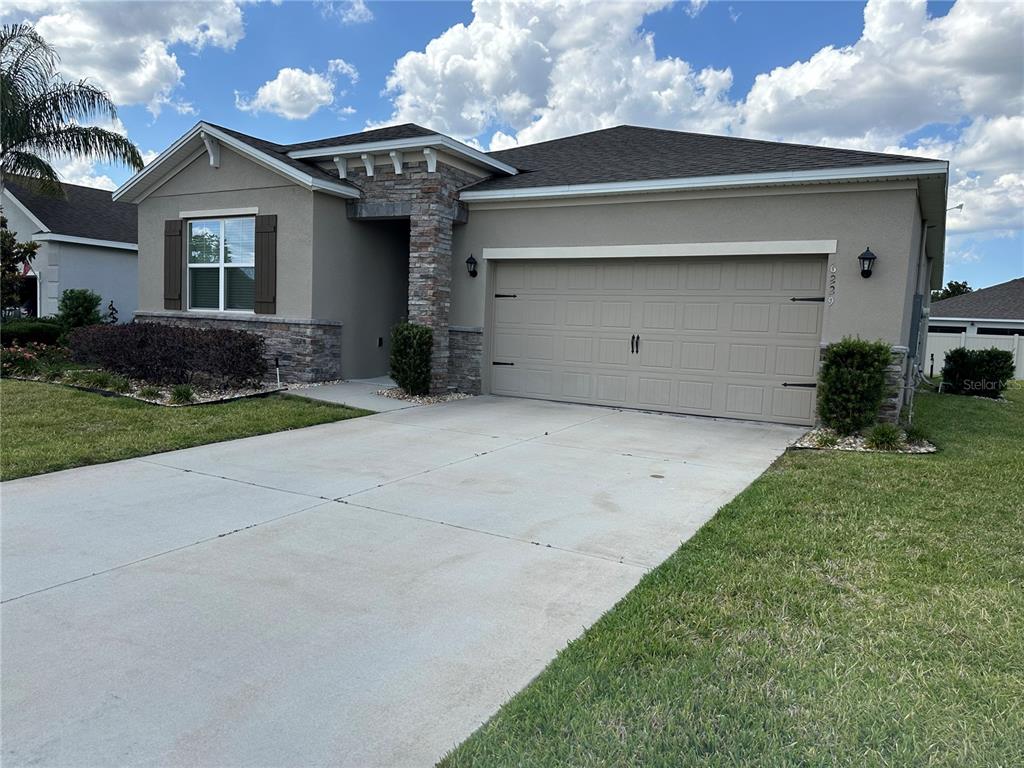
column 719, row 337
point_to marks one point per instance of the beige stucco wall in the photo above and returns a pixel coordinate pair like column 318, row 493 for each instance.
column 360, row 277
column 882, row 216
column 237, row 183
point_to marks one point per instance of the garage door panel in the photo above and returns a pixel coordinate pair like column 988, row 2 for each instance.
column 717, row 336
column 800, row 318
column 616, row 314
column 754, row 276
column 750, row 317
column 697, row 355
column 748, row 358
column 580, row 313
column 700, row 317
column 578, row 349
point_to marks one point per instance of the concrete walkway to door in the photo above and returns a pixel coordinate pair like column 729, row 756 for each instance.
column 363, row 593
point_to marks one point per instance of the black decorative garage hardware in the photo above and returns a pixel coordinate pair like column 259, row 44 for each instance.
column 495, row 362
column 808, row 385
column 505, row 296
column 809, row 298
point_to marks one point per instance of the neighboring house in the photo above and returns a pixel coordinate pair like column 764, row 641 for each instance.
column 85, row 241
column 988, row 317
column 627, row 267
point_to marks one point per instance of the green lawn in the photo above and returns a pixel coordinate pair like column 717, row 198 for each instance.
column 46, row 427
column 846, row 609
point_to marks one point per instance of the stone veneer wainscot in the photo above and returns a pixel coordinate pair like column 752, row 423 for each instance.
column 306, row 350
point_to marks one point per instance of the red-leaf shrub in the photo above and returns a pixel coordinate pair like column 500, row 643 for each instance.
column 167, row 354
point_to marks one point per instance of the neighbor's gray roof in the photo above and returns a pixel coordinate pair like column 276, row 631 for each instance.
column 631, row 153
column 1000, row 302
column 87, row 212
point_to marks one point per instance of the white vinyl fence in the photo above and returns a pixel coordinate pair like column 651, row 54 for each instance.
column 940, row 343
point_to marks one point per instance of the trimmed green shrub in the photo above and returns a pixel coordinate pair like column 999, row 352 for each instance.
column 79, row 307
column 168, row 355
column 182, row 394
column 885, row 437
column 30, row 331
column 851, row 384
column 982, row 372
column 411, row 347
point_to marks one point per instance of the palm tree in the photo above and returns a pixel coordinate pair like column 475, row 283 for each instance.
column 41, row 113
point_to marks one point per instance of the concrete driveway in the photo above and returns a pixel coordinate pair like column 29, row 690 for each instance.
column 358, row 594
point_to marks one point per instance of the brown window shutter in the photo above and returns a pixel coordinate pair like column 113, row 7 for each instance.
column 266, row 265
column 173, row 253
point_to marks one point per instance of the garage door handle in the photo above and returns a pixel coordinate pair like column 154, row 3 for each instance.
column 495, row 362
column 632, row 344
column 809, row 385
column 819, row 299
column 638, row 343
column 505, row 296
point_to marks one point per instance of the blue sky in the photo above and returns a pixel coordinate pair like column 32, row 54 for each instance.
column 936, row 79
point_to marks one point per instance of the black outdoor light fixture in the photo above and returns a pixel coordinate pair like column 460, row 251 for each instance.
column 471, row 265
column 867, row 262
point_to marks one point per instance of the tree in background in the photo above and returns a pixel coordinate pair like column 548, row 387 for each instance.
column 13, row 258
column 953, row 288
column 41, row 114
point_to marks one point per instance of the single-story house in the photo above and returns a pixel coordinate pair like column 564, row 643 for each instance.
column 86, row 240
column 628, row 267
column 988, row 317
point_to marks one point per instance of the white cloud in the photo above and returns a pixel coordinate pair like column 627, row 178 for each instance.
column 694, row 7
column 346, row 11
column 295, row 94
column 125, row 47
column 83, row 172
column 540, row 70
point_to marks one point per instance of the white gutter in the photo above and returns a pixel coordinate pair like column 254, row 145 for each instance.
column 303, row 179
column 867, row 173
column 397, row 145
column 49, row 237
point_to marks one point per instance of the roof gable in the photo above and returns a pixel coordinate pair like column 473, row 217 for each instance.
column 999, row 302
column 87, row 212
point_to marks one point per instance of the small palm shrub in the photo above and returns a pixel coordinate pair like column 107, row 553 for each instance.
column 149, row 393
column 826, row 439
column 182, row 394
column 851, row 384
column 982, row 372
column 884, row 437
column 411, row 347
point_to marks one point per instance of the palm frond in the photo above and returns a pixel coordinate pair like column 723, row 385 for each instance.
column 28, row 166
column 63, row 103
column 26, row 58
column 86, row 141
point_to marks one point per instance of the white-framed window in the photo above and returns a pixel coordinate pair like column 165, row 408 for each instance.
column 222, row 264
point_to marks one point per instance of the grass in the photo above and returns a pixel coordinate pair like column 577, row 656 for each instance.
column 846, row 609
column 46, row 427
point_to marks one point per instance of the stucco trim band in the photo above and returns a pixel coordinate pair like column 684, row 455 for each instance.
column 666, row 250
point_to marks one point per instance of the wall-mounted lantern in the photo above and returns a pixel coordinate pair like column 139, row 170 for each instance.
column 867, row 262
column 471, row 265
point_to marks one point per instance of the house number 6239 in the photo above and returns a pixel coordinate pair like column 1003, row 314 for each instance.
column 831, row 284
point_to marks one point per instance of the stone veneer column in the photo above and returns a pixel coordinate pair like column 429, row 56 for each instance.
column 430, row 280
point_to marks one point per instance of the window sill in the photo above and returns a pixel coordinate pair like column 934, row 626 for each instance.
column 244, row 317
